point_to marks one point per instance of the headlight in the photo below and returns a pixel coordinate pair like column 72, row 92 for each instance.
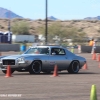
column 21, row 60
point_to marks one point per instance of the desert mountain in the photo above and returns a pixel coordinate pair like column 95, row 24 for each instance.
column 5, row 13
column 92, row 18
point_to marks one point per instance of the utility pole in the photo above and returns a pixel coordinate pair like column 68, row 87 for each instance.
column 46, row 24
column 9, row 26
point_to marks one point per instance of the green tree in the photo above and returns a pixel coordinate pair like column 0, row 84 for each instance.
column 63, row 32
column 54, row 29
column 20, row 27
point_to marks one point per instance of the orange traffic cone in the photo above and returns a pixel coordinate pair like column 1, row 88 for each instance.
column 98, row 59
column 8, row 73
column 94, row 56
column 85, row 66
column 55, row 73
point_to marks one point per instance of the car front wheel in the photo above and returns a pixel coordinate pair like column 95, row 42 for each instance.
column 35, row 67
column 74, row 67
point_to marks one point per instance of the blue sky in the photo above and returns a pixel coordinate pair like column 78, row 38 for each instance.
column 61, row 9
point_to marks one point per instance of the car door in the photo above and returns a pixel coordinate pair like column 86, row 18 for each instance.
column 60, row 59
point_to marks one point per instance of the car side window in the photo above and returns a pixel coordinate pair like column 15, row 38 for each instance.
column 62, row 52
column 57, row 51
column 53, row 51
column 45, row 51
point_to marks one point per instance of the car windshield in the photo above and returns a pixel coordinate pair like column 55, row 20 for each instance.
column 37, row 51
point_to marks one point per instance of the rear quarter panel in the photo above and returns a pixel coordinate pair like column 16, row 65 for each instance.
column 72, row 57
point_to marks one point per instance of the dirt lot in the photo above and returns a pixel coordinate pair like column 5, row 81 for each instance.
column 23, row 86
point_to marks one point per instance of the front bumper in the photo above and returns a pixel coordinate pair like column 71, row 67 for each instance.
column 2, row 68
column 15, row 66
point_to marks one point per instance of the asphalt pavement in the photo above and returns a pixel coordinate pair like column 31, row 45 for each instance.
column 23, row 86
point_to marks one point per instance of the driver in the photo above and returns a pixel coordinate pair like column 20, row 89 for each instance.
column 36, row 51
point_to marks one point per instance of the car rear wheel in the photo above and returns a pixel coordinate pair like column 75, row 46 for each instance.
column 5, row 71
column 74, row 67
column 35, row 67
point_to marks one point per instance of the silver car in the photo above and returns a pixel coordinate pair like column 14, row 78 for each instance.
column 43, row 59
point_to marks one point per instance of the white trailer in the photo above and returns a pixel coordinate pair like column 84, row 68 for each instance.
column 23, row 38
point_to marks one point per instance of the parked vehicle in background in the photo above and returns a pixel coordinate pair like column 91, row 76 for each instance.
column 22, row 38
column 43, row 59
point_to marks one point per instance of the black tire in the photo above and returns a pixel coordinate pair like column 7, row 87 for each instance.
column 4, row 71
column 35, row 67
column 74, row 67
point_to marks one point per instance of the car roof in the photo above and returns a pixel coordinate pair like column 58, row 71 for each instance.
column 59, row 46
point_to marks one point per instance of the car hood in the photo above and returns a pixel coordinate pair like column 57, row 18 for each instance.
column 18, row 56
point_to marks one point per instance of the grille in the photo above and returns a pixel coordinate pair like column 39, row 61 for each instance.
column 8, row 62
